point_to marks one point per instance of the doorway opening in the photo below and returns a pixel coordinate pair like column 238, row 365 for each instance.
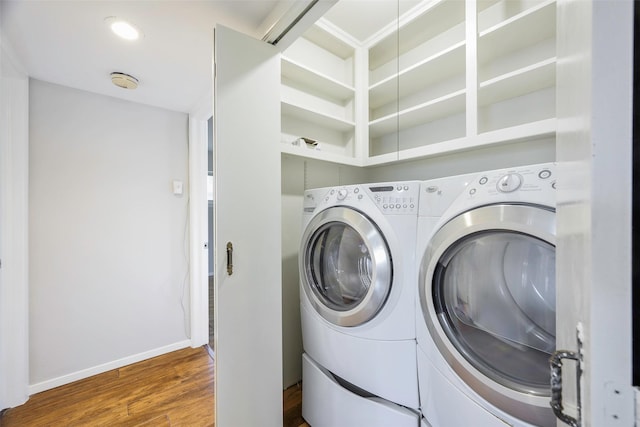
column 210, row 242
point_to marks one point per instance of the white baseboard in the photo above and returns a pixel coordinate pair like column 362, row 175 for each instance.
column 85, row 373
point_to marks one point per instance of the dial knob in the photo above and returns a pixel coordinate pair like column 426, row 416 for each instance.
column 509, row 183
column 342, row 193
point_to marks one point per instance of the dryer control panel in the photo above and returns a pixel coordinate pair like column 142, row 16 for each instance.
column 533, row 179
column 533, row 184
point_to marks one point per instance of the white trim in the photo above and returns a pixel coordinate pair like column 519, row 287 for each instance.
column 203, row 109
column 99, row 369
column 198, row 220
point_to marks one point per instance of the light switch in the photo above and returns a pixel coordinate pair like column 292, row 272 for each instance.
column 177, row 187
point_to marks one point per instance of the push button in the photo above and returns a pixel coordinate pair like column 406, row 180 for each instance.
column 544, row 174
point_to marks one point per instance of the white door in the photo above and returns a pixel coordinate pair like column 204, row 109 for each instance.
column 14, row 238
column 594, row 146
column 248, row 328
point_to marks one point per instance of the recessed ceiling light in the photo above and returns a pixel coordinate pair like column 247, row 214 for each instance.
column 123, row 29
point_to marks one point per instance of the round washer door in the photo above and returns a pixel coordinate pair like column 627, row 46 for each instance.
column 487, row 290
column 345, row 266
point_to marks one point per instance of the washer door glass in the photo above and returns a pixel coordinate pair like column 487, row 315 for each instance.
column 345, row 266
column 494, row 293
column 340, row 266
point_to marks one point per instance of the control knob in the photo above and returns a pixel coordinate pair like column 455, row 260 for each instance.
column 509, row 183
column 342, row 194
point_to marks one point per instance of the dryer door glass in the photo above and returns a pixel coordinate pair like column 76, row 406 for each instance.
column 494, row 293
column 340, row 266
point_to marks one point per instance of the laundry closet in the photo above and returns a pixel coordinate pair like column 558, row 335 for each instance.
column 419, row 97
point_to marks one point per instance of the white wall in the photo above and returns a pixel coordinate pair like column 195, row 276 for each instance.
column 14, row 181
column 108, row 243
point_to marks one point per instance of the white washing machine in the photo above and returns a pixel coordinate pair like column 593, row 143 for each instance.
column 486, row 307
column 357, row 298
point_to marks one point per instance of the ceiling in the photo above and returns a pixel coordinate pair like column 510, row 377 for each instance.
column 67, row 42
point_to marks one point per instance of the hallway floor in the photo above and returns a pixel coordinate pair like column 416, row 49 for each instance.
column 168, row 390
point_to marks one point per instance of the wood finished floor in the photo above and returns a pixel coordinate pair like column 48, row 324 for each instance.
column 175, row 389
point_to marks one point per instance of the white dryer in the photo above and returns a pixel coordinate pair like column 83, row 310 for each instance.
column 357, row 298
column 486, row 306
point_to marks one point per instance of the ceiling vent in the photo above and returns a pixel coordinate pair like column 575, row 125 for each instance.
column 124, row 81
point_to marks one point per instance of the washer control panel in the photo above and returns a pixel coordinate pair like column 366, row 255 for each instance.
column 396, row 198
column 390, row 198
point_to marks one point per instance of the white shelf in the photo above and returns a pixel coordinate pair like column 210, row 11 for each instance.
column 330, row 122
column 486, row 4
column 450, row 104
column 426, row 72
column 519, row 82
column 418, row 25
column 540, row 129
column 530, row 131
column 316, row 81
column 324, row 54
column 319, row 35
column 319, row 155
column 381, row 159
column 524, row 29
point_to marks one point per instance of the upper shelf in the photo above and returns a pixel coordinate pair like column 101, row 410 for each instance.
column 452, row 103
column 324, row 54
column 524, row 29
column 305, row 76
column 302, row 113
column 417, row 26
column 322, row 36
column 519, row 82
column 426, row 72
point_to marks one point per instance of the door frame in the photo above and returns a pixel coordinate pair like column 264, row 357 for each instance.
column 198, row 220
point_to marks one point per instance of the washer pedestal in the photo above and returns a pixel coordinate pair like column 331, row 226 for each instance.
column 325, row 403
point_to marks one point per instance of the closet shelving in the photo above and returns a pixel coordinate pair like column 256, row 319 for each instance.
column 516, row 63
column 417, row 80
column 318, row 97
column 446, row 76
